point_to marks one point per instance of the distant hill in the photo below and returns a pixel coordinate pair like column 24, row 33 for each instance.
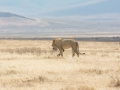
column 7, row 14
column 13, row 25
column 10, row 19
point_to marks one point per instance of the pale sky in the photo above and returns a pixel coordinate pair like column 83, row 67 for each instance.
column 37, row 8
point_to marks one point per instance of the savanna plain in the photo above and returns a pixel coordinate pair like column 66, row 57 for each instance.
column 33, row 65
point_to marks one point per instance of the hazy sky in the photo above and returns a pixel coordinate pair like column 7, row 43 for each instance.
column 37, row 8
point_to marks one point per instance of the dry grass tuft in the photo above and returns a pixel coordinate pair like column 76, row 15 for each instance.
column 37, row 79
column 118, row 56
column 93, row 70
column 104, row 55
column 24, row 50
column 69, row 88
column 9, row 72
column 114, row 82
column 85, row 88
column 78, row 88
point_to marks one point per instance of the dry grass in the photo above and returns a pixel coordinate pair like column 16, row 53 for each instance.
column 24, row 50
column 78, row 88
column 32, row 65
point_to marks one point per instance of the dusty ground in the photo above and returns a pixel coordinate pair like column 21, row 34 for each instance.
column 32, row 65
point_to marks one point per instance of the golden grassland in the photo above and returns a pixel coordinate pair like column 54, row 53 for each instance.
column 32, row 65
